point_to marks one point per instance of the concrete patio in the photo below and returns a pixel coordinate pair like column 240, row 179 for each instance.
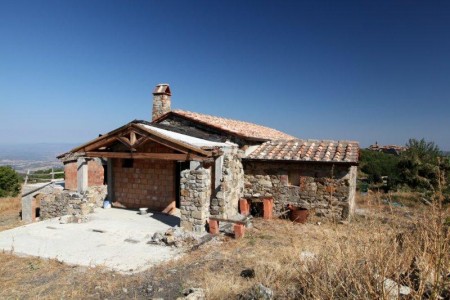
column 114, row 238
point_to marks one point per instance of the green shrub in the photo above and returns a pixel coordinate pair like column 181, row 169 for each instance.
column 378, row 164
column 9, row 182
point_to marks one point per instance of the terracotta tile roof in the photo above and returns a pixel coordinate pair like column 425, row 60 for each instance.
column 307, row 150
column 235, row 127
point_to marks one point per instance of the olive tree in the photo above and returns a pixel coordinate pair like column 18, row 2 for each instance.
column 9, row 182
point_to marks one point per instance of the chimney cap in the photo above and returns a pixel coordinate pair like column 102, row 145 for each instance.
column 162, row 88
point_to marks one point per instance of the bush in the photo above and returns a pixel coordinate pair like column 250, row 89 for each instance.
column 421, row 165
column 378, row 164
column 9, row 182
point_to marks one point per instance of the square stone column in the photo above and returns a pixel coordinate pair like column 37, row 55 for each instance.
column 82, row 175
column 195, row 196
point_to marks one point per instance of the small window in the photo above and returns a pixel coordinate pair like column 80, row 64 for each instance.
column 294, row 178
column 127, row 163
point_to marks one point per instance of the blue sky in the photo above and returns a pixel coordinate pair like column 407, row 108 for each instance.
column 359, row 70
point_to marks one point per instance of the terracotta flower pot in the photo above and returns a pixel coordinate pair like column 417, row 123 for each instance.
column 298, row 214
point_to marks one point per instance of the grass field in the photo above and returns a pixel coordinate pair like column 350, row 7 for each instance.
column 317, row 260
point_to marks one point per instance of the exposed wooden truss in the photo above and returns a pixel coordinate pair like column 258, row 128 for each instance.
column 138, row 155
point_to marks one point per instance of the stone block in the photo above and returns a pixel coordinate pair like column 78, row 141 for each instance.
column 198, row 215
column 187, row 225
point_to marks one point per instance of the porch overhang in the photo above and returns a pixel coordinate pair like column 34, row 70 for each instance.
column 137, row 133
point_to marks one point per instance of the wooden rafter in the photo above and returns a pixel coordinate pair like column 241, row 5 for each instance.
column 134, row 135
column 176, row 145
column 160, row 156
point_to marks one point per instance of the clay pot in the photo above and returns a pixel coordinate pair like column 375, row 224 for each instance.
column 298, row 214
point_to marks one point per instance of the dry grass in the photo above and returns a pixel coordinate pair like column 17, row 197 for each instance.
column 9, row 204
column 34, row 278
column 408, row 245
column 9, row 213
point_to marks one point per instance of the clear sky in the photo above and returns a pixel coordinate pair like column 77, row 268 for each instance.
column 359, row 70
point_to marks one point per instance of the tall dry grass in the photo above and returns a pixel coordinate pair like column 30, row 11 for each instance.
column 409, row 245
column 350, row 261
column 10, row 204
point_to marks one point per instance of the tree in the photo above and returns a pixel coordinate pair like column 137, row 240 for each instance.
column 9, row 182
column 377, row 164
column 421, row 165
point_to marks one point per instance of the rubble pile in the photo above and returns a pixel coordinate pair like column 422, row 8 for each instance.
column 175, row 236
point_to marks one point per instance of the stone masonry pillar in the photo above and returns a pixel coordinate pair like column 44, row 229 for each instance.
column 82, row 175
column 195, row 194
column 110, row 179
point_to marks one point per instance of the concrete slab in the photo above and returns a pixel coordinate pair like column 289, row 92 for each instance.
column 114, row 238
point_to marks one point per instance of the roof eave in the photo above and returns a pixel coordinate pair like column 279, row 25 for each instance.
column 135, row 124
column 353, row 163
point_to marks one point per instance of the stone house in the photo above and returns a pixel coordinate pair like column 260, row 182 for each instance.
column 202, row 166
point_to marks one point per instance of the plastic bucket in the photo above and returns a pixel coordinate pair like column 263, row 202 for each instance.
column 106, row 204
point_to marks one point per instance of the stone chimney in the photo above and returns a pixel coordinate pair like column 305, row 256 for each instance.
column 161, row 100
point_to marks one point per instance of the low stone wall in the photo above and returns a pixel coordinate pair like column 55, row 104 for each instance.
column 195, row 193
column 325, row 189
column 231, row 189
column 60, row 203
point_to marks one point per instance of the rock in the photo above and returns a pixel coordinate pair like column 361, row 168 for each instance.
column 193, row 294
column 148, row 289
column 125, row 290
column 175, row 236
column 259, row 292
column 393, row 290
column 157, row 238
column 262, row 292
column 65, row 219
column 307, row 256
column 248, row 273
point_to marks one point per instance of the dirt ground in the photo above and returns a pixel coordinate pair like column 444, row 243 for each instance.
column 348, row 260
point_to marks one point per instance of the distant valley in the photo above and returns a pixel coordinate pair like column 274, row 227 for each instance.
column 23, row 157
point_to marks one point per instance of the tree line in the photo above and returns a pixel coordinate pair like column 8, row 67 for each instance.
column 422, row 167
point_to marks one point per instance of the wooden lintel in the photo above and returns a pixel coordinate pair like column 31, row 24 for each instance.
column 162, row 156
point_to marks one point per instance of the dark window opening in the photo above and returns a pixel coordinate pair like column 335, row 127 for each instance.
column 257, row 209
column 105, row 174
column 127, row 163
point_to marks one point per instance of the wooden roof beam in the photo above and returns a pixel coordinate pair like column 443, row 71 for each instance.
column 160, row 156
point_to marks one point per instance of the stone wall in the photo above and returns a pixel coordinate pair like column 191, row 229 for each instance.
column 231, row 188
column 195, row 194
column 95, row 174
column 325, row 189
column 60, row 203
column 145, row 183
